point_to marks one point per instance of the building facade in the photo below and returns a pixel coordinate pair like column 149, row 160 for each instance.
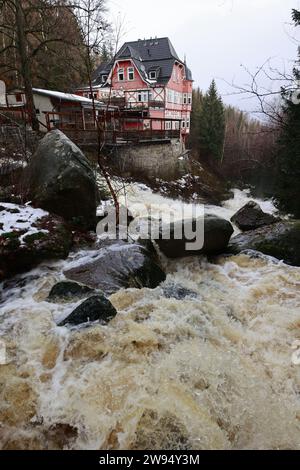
column 147, row 77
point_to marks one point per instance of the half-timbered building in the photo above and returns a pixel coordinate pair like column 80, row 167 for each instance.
column 149, row 82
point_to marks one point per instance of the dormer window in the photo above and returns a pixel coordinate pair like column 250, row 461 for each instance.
column 104, row 78
column 153, row 75
column 130, row 73
column 121, row 77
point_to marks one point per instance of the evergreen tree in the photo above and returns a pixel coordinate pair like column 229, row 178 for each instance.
column 211, row 125
column 195, row 122
column 288, row 156
column 106, row 54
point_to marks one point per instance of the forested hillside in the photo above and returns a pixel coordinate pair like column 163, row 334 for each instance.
column 51, row 41
column 263, row 152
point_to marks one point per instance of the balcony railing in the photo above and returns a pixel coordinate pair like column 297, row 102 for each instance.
column 83, row 131
column 112, row 137
column 123, row 104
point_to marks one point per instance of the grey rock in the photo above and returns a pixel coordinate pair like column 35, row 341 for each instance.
column 216, row 231
column 175, row 291
column 93, row 309
column 53, row 240
column 68, row 291
column 280, row 240
column 118, row 265
column 62, row 181
column 251, row 217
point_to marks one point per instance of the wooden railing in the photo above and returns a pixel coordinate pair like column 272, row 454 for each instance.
column 9, row 114
column 123, row 104
column 81, row 131
column 15, row 116
column 113, row 137
column 69, row 120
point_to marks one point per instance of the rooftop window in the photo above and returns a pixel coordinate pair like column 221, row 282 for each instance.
column 153, row 75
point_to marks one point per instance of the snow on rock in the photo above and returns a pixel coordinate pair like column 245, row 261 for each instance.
column 29, row 236
column 16, row 218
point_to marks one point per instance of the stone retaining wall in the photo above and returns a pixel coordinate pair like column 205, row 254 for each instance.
column 153, row 159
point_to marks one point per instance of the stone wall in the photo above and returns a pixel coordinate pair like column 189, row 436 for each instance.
column 159, row 160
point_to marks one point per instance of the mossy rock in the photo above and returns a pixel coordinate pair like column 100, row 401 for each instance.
column 280, row 240
column 34, row 237
column 52, row 240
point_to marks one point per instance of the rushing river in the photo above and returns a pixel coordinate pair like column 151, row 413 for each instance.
column 217, row 369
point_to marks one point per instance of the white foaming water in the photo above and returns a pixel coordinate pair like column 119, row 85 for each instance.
column 217, row 369
column 140, row 198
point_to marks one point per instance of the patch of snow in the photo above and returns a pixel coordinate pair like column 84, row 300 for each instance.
column 21, row 220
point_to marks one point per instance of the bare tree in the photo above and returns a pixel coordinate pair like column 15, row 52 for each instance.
column 35, row 35
column 268, row 96
column 16, row 32
column 94, row 30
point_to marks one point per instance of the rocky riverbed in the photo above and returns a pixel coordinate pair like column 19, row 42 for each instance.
column 205, row 360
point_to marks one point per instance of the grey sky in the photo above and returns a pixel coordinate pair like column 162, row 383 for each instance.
column 217, row 36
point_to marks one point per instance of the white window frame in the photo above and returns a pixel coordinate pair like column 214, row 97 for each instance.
column 168, row 125
column 189, row 98
column 171, row 96
column 121, row 72
column 130, row 71
column 153, row 75
column 143, row 96
column 104, row 78
column 188, row 123
column 185, row 98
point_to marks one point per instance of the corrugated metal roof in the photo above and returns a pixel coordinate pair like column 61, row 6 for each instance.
column 70, row 97
column 63, row 96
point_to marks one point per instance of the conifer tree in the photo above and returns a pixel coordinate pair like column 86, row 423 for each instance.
column 195, row 122
column 211, row 125
column 288, row 155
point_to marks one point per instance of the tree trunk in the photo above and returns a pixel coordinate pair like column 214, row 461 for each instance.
column 25, row 67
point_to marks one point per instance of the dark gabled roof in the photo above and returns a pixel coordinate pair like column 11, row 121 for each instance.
column 150, row 49
column 188, row 73
column 164, row 67
column 102, row 69
column 148, row 54
column 128, row 51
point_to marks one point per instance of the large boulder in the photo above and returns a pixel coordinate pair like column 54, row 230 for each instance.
column 29, row 236
column 251, row 217
column 95, row 308
column 62, row 181
column 280, row 240
column 216, row 233
column 118, row 265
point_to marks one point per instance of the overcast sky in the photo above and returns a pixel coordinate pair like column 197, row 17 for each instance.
column 217, row 36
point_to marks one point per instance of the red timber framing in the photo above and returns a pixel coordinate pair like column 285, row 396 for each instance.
column 147, row 77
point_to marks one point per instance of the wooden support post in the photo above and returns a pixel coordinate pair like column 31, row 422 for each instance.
column 83, row 118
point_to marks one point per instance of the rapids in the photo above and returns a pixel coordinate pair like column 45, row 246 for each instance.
column 217, row 369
